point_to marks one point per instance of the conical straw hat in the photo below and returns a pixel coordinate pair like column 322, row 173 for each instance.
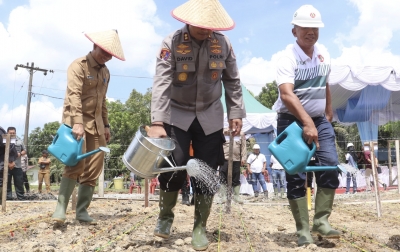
column 108, row 41
column 208, row 14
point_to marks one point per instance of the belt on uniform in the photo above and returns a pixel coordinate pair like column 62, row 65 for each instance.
column 286, row 116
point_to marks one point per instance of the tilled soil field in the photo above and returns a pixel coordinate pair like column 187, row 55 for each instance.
column 258, row 225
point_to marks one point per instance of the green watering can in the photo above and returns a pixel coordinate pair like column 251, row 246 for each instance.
column 294, row 154
column 67, row 149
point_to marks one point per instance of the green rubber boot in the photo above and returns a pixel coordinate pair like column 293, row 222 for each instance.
column 222, row 194
column 202, row 210
column 66, row 188
column 300, row 214
column 165, row 219
column 236, row 197
column 323, row 209
column 85, row 195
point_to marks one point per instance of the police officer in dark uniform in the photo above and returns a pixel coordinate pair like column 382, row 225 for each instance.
column 192, row 64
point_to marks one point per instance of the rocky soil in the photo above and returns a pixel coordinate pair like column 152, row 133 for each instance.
column 258, row 225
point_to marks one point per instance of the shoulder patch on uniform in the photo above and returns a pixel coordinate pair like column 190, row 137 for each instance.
column 165, row 54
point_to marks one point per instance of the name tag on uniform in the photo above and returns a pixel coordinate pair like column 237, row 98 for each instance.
column 90, row 77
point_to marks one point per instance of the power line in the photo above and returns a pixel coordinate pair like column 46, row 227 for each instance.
column 47, row 96
column 31, row 70
column 117, row 75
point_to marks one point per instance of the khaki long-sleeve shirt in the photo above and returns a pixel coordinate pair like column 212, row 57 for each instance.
column 239, row 146
column 188, row 82
column 85, row 98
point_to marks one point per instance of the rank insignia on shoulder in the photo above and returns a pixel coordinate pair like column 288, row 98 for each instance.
column 214, row 41
column 215, row 46
column 182, row 76
column 186, row 36
column 165, row 53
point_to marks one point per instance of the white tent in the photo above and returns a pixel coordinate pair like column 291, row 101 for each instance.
column 259, row 119
column 348, row 90
column 368, row 96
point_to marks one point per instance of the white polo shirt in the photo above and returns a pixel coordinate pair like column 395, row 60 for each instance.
column 275, row 164
column 256, row 163
column 309, row 76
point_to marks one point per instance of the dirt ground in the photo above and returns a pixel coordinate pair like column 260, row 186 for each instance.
column 258, row 225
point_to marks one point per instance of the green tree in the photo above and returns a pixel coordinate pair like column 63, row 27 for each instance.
column 269, row 94
column 39, row 140
column 125, row 120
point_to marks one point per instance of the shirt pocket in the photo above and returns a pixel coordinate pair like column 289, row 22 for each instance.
column 184, row 73
column 89, row 83
column 216, row 67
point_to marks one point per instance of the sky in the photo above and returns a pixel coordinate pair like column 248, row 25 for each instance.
column 49, row 33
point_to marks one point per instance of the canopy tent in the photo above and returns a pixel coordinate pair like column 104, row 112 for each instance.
column 368, row 96
column 259, row 119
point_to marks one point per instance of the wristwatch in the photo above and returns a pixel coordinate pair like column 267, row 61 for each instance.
column 107, row 126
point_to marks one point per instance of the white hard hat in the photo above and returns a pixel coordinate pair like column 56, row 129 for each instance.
column 256, row 146
column 307, row 16
column 350, row 145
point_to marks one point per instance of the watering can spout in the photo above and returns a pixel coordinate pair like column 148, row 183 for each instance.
column 85, row 155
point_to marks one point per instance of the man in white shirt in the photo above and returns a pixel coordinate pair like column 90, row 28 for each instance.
column 256, row 163
column 278, row 177
column 304, row 97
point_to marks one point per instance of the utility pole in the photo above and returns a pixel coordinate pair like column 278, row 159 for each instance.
column 31, row 71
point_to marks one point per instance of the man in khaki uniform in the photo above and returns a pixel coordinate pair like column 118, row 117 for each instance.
column 86, row 112
column 44, row 171
column 239, row 158
column 186, row 105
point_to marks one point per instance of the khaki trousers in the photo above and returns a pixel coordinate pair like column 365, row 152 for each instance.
column 88, row 169
column 46, row 176
column 368, row 173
